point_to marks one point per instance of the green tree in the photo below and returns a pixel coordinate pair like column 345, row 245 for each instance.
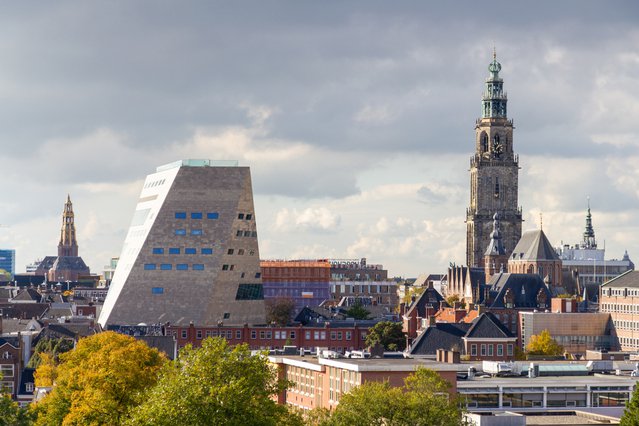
column 631, row 413
column 215, row 384
column 11, row 414
column 544, row 344
column 279, row 311
column 424, row 400
column 53, row 347
column 358, row 312
column 99, row 381
column 388, row 334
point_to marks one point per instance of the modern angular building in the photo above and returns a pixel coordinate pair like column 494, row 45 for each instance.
column 191, row 252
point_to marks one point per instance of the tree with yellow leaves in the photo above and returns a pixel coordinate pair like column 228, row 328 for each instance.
column 544, row 344
column 98, row 382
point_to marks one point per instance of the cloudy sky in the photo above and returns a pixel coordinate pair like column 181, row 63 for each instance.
column 356, row 118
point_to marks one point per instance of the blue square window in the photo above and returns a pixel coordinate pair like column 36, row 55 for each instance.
column 182, row 267
column 198, row 267
column 149, row 267
column 196, row 215
column 213, row 215
column 158, row 250
column 166, row 266
column 180, row 232
column 180, row 215
column 157, row 290
column 196, row 232
column 174, row 250
column 258, row 274
column 190, row 250
column 207, row 251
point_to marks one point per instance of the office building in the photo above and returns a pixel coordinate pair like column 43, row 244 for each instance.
column 8, row 260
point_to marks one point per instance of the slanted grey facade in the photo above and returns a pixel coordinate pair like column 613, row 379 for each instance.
column 191, row 253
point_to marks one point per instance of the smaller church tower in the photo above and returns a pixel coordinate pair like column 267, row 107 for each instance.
column 589, row 233
column 68, row 245
column 495, row 258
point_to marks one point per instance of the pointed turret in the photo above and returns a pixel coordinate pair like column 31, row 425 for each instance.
column 589, row 233
column 495, row 257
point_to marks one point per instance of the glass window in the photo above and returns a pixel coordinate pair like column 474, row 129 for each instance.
column 198, row 334
column 180, row 232
column 149, row 266
column 212, row 215
column 500, row 350
column 190, row 250
column 207, row 251
column 227, row 315
column 292, row 335
column 473, row 350
column 238, row 233
column 240, row 215
column 196, row 232
column 490, row 350
column 249, row 216
column 184, row 334
column 238, row 334
column 158, row 250
column 157, row 290
column 174, row 250
column 247, row 233
column 196, row 215
column 510, row 349
column 258, row 274
column 180, row 215
column 240, row 252
column 198, row 266
column 253, row 334
column 166, row 266
column 230, row 251
column 182, row 267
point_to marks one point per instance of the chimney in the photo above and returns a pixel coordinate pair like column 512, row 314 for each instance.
column 431, row 321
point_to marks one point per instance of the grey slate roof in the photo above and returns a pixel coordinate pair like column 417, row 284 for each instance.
column 28, row 295
column 627, row 279
column 534, row 245
column 488, row 326
column 523, row 286
column 442, row 335
column 23, row 310
column 431, row 297
column 26, row 377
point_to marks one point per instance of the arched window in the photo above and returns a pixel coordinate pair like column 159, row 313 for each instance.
column 531, row 269
column 484, row 142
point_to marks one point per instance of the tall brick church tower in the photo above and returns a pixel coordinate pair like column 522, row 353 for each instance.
column 68, row 245
column 494, row 170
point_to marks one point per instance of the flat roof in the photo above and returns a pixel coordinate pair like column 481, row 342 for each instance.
column 547, row 381
column 367, row 364
column 197, row 163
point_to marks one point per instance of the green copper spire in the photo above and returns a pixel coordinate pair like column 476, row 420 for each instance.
column 494, row 99
column 589, row 233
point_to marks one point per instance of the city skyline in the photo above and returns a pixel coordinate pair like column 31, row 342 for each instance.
column 357, row 122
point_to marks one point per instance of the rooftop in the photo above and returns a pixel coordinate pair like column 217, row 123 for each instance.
column 197, row 163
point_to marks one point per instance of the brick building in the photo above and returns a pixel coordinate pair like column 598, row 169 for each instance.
column 321, row 382
column 620, row 298
column 306, row 282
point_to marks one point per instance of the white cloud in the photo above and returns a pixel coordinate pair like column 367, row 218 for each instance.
column 318, row 219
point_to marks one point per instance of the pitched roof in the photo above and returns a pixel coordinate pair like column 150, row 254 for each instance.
column 429, row 297
column 23, row 310
column 534, row 245
column 524, row 288
column 627, row 279
column 442, row 335
column 488, row 326
column 29, row 294
column 26, row 377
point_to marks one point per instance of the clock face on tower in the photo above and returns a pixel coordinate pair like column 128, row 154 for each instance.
column 498, row 149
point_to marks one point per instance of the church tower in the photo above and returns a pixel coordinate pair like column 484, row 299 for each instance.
column 68, row 245
column 494, row 170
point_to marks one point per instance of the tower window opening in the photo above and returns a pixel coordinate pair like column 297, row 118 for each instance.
column 484, row 142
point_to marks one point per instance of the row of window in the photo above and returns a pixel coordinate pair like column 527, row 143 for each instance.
column 488, row 349
column 178, row 250
column 182, row 231
column 620, row 308
column 169, row 266
column 197, row 215
column 241, row 233
column 245, row 216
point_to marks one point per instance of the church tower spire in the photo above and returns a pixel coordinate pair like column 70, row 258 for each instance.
column 494, row 174
column 589, row 233
column 68, row 245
